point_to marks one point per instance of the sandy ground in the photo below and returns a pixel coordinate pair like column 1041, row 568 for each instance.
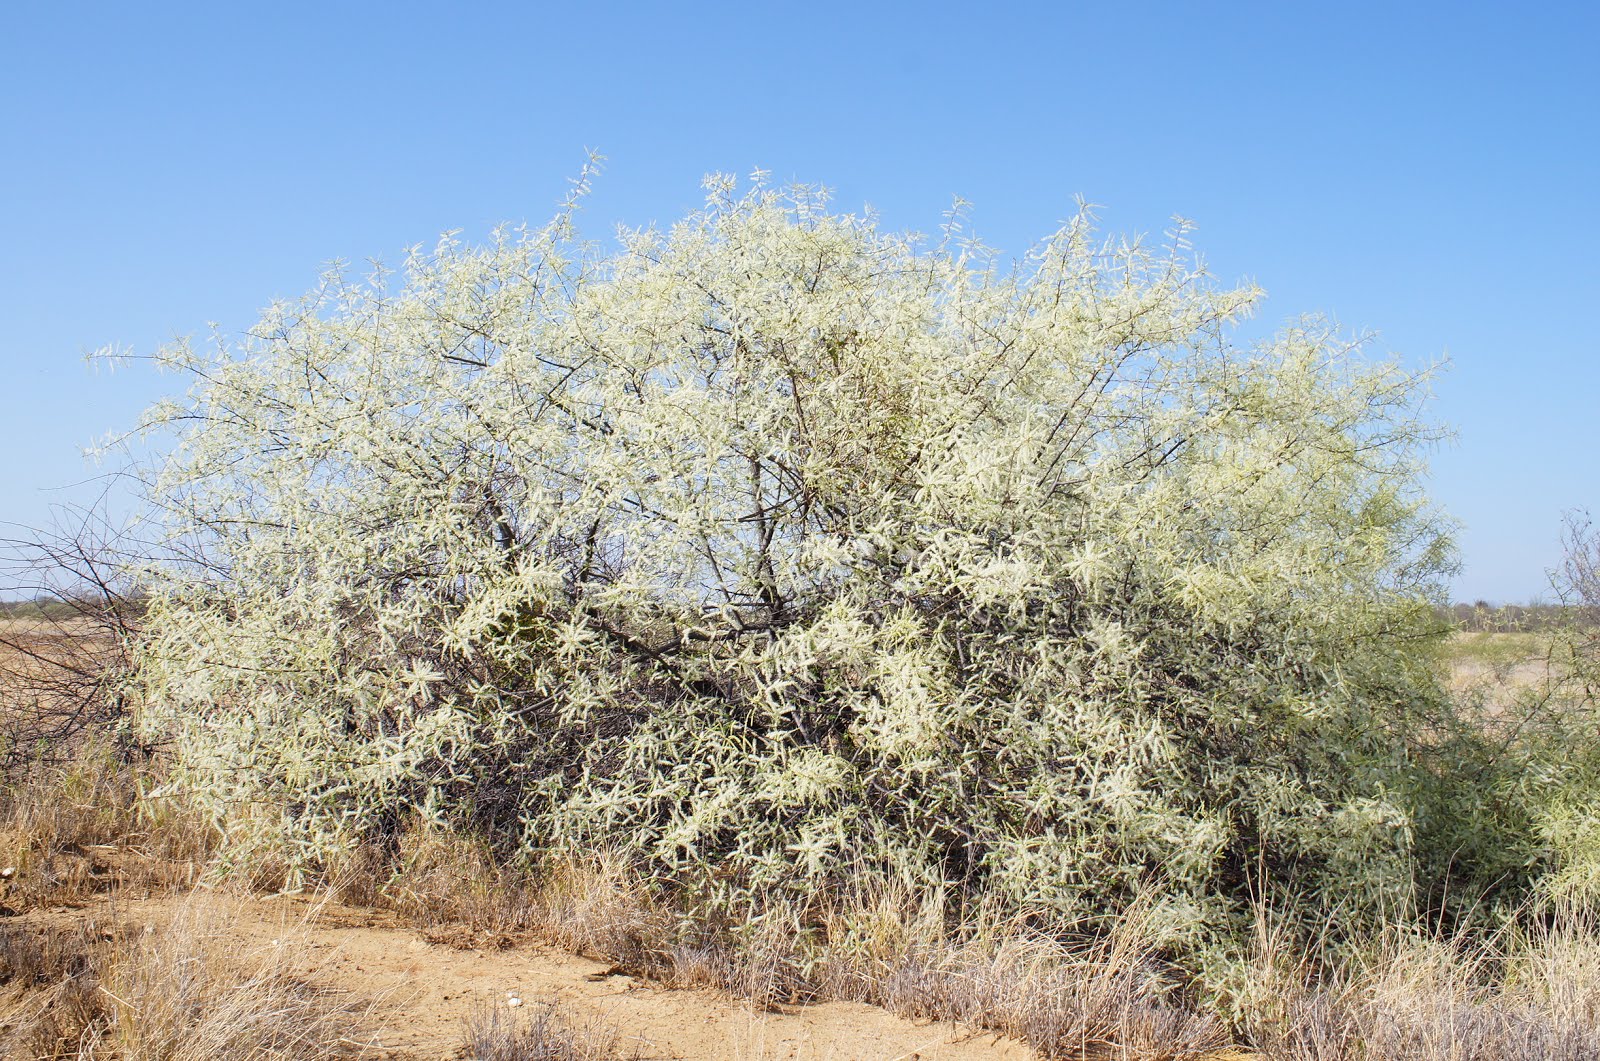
column 418, row 995
column 1507, row 678
column 1512, row 678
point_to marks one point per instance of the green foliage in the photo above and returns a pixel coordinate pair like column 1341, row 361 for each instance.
column 1566, row 757
column 1508, row 797
column 774, row 549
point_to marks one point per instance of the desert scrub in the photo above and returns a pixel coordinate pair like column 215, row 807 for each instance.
column 773, row 548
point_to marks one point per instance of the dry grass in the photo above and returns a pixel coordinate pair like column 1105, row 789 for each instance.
column 1532, row 995
column 1111, row 999
column 546, row 1034
column 72, row 831
column 1493, row 650
column 75, row 819
column 49, row 1005
column 83, row 828
column 175, row 993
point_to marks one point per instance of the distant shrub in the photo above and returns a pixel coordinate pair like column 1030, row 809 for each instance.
column 1483, row 617
column 773, row 549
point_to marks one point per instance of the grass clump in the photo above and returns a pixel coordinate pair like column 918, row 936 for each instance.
column 178, row 992
column 547, row 1033
column 1528, row 995
column 90, row 825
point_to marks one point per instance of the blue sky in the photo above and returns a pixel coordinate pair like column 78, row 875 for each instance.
column 1427, row 172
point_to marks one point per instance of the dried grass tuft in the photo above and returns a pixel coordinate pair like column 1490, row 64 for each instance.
column 177, row 993
column 1518, row 995
column 546, row 1034
column 87, row 826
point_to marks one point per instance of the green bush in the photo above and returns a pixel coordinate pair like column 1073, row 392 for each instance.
column 778, row 552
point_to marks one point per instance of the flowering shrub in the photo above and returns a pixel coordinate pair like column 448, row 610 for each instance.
column 773, row 549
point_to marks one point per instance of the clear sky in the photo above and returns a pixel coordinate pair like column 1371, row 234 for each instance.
column 1427, row 171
